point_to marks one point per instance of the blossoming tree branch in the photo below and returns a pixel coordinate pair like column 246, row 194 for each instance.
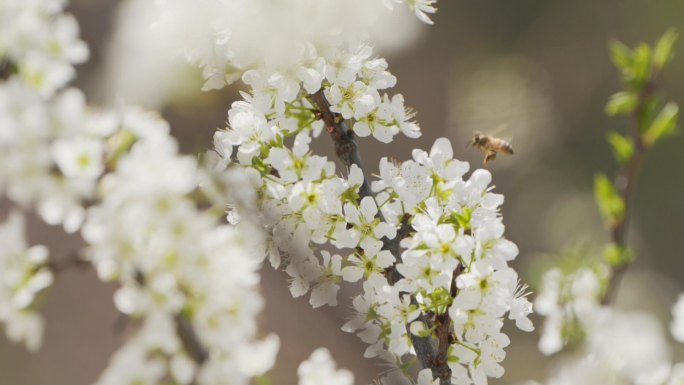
column 184, row 238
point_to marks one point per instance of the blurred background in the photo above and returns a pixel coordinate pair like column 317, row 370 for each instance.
column 539, row 69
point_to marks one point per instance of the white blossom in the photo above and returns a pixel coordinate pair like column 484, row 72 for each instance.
column 42, row 42
column 677, row 325
column 23, row 274
column 615, row 354
column 352, row 100
column 568, row 302
column 320, row 368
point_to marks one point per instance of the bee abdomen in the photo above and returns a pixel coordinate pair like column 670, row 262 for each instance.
column 507, row 148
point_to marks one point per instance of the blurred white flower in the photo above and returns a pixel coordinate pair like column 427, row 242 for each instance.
column 42, row 42
column 320, row 369
column 79, row 158
column 677, row 325
column 23, row 274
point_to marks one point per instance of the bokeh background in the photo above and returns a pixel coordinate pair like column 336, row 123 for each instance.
column 538, row 70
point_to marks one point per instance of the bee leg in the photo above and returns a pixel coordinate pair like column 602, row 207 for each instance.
column 491, row 155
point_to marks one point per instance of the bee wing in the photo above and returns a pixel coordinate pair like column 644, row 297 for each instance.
column 499, row 129
column 506, row 139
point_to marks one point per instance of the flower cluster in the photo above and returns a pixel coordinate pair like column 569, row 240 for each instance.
column 422, row 222
column 454, row 264
column 176, row 264
column 570, row 303
column 304, row 202
column 426, row 241
column 40, row 42
column 615, row 354
column 421, row 8
column 229, row 37
column 51, row 147
column 612, row 352
column 53, row 151
column 320, row 369
column 22, row 276
column 185, row 274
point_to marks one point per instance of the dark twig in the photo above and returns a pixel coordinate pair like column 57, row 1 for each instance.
column 444, row 336
column 190, row 340
column 186, row 333
column 71, row 261
column 429, row 353
column 7, row 69
column 343, row 138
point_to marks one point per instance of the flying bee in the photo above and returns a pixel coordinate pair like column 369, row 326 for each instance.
column 491, row 146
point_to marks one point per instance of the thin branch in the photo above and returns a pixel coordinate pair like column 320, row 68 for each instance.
column 186, row 333
column 444, row 336
column 190, row 340
column 625, row 183
column 392, row 245
column 429, row 353
column 7, row 69
column 343, row 138
column 71, row 261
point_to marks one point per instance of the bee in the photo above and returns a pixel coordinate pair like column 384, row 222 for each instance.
column 491, row 146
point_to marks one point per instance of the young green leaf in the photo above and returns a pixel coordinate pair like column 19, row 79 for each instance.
column 616, row 255
column 664, row 124
column 623, row 147
column 610, row 203
column 623, row 56
column 621, row 103
column 641, row 69
column 662, row 53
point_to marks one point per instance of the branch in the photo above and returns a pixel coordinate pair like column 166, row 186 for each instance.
column 7, row 69
column 625, row 183
column 71, row 261
column 430, row 355
column 343, row 138
column 193, row 346
column 186, row 333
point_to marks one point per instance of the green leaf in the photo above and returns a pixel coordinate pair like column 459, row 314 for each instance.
column 621, row 103
column 461, row 219
column 262, row 379
column 451, row 358
column 650, row 107
column 616, row 255
column 623, row 56
column 610, row 203
column 118, row 145
column 641, row 69
column 623, row 147
column 662, row 53
column 664, row 124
